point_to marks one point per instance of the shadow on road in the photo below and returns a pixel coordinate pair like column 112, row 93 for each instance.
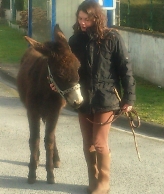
column 12, row 102
column 18, row 163
column 21, row 183
column 14, row 162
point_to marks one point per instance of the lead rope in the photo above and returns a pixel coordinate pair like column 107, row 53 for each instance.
column 132, row 125
column 130, row 118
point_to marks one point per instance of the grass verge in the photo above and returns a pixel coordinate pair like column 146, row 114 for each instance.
column 12, row 45
column 150, row 101
column 150, row 98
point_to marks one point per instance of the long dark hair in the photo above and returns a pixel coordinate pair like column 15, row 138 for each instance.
column 96, row 14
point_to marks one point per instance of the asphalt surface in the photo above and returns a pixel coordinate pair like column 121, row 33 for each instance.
column 128, row 175
column 149, row 129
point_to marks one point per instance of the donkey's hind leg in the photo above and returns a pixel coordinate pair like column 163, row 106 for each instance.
column 34, row 140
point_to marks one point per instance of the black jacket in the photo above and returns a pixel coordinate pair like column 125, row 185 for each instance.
column 104, row 66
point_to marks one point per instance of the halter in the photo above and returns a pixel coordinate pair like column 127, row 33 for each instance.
column 62, row 93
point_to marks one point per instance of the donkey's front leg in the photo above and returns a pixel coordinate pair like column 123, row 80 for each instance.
column 34, row 125
column 56, row 158
column 49, row 146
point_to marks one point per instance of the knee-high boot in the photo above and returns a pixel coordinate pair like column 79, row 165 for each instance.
column 103, row 164
column 91, row 160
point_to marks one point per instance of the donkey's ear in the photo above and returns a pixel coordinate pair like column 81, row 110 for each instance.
column 58, row 34
column 60, row 37
column 37, row 46
column 33, row 42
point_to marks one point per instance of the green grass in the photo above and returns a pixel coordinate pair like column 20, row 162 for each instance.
column 12, row 45
column 150, row 98
column 144, row 15
column 150, row 101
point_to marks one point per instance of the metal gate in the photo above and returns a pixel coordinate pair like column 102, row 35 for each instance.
column 40, row 19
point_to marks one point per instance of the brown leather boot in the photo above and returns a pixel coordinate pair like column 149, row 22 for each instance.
column 91, row 160
column 103, row 162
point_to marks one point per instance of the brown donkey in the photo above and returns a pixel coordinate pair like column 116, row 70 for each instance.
column 55, row 61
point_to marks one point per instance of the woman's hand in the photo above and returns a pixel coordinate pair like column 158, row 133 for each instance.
column 53, row 87
column 126, row 108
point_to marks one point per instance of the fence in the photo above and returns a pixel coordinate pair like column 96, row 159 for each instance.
column 41, row 20
column 143, row 14
column 42, row 17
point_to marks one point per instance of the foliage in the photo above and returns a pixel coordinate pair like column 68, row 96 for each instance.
column 42, row 4
column 5, row 4
column 19, row 5
column 25, row 4
column 143, row 14
column 36, row 3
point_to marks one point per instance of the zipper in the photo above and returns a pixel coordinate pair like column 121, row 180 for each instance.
column 90, row 63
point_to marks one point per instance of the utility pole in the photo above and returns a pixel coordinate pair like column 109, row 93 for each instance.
column 30, row 18
column 53, row 18
column 13, row 10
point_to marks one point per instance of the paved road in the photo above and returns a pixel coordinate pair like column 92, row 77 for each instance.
column 128, row 175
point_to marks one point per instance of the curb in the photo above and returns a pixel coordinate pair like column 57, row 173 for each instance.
column 7, row 76
column 147, row 129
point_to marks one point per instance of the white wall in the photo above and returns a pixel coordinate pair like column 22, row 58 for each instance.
column 8, row 14
column 146, row 51
column 65, row 15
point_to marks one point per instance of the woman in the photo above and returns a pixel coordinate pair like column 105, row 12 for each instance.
column 105, row 66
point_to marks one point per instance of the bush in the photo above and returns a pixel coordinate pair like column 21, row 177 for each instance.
column 142, row 14
column 5, row 4
column 19, row 5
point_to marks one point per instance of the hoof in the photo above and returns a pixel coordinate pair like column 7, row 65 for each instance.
column 50, row 180
column 57, row 164
column 31, row 180
column 88, row 191
column 50, row 177
column 37, row 164
column 31, row 177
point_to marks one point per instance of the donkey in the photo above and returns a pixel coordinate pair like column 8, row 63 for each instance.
column 54, row 60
